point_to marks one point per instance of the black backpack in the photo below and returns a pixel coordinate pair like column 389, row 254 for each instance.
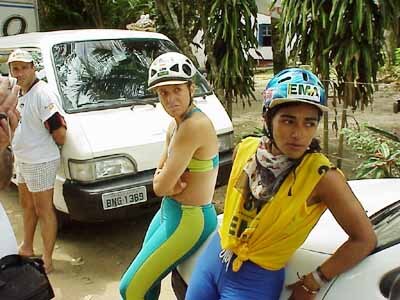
column 23, row 278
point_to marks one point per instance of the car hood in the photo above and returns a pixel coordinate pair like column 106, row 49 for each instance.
column 118, row 128
column 137, row 132
column 374, row 194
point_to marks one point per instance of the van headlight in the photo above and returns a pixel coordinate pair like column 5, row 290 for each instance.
column 100, row 168
column 225, row 141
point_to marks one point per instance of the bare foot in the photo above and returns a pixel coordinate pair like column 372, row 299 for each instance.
column 48, row 268
column 48, row 265
column 25, row 251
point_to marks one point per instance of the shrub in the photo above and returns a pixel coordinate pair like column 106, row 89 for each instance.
column 379, row 150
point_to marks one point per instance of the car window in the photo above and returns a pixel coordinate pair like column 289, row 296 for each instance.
column 386, row 224
column 102, row 74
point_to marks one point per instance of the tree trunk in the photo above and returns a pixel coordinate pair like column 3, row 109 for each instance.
column 341, row 138
column 348, row 96
column 167, row 11
column 325, row 137
column 94, row 8
column 228, row 106
column 279, row 53
column 211, row 64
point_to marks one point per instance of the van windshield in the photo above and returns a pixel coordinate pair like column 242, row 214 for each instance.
column 103, row 74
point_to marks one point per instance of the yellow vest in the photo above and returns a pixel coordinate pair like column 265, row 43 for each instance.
column 270, row 237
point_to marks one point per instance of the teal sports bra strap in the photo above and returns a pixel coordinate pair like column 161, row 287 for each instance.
column 193, row 110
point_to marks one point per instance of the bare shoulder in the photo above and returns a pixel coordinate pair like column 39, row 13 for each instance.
column 198, row 123
column 197, row 132
column 333, row 187
column 333, row 177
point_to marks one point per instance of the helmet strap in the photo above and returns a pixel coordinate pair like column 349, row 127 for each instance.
column 269, row 130
column 191, row 104
column 189, row 85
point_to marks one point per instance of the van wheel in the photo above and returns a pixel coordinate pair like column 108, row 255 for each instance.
column 63, row 220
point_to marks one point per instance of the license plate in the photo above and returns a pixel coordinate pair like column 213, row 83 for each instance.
column 124, row 197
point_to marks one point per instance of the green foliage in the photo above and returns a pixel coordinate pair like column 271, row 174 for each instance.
column 345, row 34
column 397, row 57
column 231, row 27
column 390, row 73
column 119, row 13
column 74, row 14
column 361, row 28
column 57, row 14
column 228, row 28
column 179, row 20
column 379, row 150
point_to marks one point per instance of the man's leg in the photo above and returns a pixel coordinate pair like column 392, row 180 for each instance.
column 30, row 220
column 48, row 224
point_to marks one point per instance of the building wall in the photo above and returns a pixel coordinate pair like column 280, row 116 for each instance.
column 263, row 6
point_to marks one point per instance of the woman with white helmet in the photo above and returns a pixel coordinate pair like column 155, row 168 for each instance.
column 279, row 187
column 185, row 178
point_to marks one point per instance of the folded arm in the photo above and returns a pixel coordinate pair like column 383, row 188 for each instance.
column 167, row 180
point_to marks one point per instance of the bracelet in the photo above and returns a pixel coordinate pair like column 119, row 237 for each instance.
column 308, row 290
column 322, row 275
column 318, row 278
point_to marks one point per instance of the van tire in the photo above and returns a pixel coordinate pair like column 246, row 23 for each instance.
column 63, row 221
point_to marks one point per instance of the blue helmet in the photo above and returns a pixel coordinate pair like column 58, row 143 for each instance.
column 294, row 85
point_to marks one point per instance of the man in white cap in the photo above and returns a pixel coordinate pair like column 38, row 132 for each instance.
column 36, row 148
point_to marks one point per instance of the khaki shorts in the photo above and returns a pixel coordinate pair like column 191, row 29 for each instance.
column 38, row 177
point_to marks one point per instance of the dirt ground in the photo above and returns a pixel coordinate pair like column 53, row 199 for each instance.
column 90, row 258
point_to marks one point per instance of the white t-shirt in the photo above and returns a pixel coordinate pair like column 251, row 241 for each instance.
column 32, row 142
column 8, row 243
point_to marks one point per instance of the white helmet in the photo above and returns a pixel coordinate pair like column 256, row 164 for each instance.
column 170, row 68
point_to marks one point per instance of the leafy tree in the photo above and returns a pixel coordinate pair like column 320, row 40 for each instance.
column 347, row 35
column 57, row 15
column 180, row 21
column 230, row 36
column 73, row 14
column 228, row 29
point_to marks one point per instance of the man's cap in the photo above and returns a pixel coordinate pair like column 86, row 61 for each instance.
column 20, row 55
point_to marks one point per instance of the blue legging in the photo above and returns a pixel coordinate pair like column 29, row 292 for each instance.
column 210, row 279
column 175, row 232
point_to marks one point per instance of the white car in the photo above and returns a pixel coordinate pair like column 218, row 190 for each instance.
column 376, row 277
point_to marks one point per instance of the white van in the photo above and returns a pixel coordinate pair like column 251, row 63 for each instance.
column 116, row 128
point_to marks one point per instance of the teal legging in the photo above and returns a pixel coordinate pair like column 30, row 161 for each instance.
column 175, row 232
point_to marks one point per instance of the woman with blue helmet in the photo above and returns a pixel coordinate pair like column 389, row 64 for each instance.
column 280, row 185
